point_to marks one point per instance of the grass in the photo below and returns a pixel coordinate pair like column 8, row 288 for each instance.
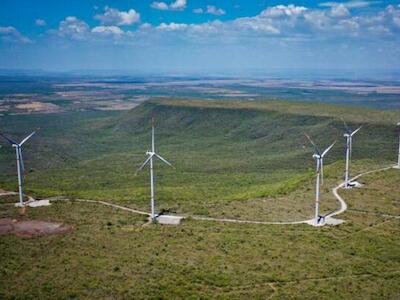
column 223, row 151
column 110, row 255
column 234, row 160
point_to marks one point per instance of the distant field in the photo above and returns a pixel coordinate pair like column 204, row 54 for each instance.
column 55, row 94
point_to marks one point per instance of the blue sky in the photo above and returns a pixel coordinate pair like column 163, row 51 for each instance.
column 214, row 36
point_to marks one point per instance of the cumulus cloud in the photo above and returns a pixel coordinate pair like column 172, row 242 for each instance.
column 114, row 17
column 210, row 9
column 105, row 31
column 73, row 28
column 159, row 5
column 40, row 22
column 283, row 11
column 172, row 26
column 11, row 34
column 285, row 22
column 339, row 11
column 176, row 5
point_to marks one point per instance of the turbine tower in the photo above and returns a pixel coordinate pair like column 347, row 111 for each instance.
column 349, row 148
column 20, row 163
column 152, row 154
column 319, row 157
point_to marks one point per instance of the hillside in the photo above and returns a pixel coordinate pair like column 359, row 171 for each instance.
column 225, row 153
column 111, row 254
column 246, row 163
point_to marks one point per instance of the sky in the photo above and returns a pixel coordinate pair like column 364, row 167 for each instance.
column 193, row 36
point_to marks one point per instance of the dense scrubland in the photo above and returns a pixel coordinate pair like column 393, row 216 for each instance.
column 244, row 160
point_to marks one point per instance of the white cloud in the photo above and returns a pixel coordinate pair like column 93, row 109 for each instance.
column 283, row 11
column 393, row 13
column 106, row 31
column 40, row 22
column 284, row 22
column 350, row 4
column 176, row 5
column 73, row 28
column 339, row 11
column 11, row 34
column 256, row 24
column 115, row 17
column 172, row 26
column 211, row 9
column 159, row 5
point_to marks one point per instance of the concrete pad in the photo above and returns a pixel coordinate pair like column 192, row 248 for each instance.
column 34, row 203
column 169, row 220
column 325, row 221
column 38, row 203
column 354, row 184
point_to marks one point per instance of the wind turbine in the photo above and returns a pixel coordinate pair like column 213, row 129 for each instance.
column 20, row 163
column 152, row 154
column 398, row 158
column 349, row 148
column 319, row 157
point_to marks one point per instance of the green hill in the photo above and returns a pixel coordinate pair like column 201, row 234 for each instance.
column 224, row 152
column 239, row 160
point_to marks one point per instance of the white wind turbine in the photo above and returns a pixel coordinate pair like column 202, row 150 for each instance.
column 349, row 148
column 319, row 157
column 151, row 154
column 20, row 163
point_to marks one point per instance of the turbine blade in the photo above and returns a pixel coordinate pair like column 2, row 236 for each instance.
column 355, row 131
column 164, row 160
column 312, row 143
column 327, row 149
column 21, row 160
column 346, row 127
column 12, row 142
column 27, row 138
column 144, row 163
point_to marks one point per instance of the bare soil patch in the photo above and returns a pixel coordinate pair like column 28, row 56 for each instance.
column 32, row 228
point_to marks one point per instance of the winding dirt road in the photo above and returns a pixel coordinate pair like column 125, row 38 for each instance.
column 342, row 208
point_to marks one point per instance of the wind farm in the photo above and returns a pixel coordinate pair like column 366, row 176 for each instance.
column 191, row 150
column 250, row 205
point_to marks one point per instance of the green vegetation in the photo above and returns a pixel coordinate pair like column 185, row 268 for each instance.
column 233, row 159
column 110, row 254
column 225, row 153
